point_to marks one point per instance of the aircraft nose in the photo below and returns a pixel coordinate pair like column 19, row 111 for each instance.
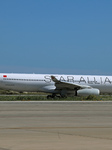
column 0, row 78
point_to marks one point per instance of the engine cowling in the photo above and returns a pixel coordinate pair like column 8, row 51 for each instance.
column 86, row 92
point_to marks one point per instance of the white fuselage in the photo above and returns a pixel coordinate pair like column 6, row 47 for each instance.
column 43, row 82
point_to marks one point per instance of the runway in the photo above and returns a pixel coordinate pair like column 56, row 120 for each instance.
column 55, row 125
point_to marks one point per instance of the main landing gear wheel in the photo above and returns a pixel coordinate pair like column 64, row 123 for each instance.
column 51, row 96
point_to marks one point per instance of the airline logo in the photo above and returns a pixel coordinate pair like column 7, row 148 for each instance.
column 4, row 76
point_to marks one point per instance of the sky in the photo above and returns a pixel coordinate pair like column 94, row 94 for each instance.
column 56, row 36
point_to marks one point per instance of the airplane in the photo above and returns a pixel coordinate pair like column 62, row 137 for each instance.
column 63, row 85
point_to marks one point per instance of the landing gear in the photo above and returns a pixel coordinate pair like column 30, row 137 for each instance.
column 56, row 96
column 51, row 96
column 75, row 93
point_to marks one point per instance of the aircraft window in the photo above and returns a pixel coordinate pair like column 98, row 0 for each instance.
column 23, row 79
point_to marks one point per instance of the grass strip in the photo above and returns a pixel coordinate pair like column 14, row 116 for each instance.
column 44, row 98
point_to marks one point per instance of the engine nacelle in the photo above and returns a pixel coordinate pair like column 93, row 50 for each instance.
column 86, row 92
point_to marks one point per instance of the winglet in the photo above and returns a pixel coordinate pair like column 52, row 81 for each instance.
column 54, row 79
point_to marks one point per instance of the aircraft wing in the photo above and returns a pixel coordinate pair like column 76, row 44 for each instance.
column 67, row 85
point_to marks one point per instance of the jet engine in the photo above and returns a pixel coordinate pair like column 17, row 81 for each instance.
column 87, row 91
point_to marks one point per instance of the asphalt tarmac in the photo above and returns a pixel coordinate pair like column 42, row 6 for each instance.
column 55, row 125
